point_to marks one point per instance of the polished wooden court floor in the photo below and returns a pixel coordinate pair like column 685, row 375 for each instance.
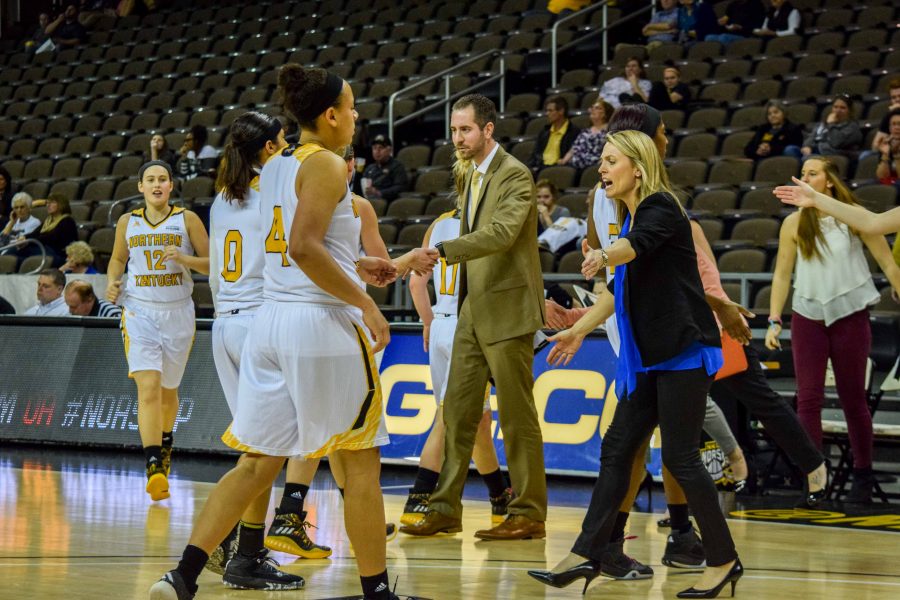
column 92, row 533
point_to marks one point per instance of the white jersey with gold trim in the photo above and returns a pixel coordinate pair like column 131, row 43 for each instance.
column 150, row 278
column 237, row 251
column 446, row 277
column 284, row 281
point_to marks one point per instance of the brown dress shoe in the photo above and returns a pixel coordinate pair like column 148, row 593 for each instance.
column 515, row 527
column 433, row 523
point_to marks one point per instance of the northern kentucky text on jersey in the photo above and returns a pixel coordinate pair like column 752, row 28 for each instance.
column 155, row 239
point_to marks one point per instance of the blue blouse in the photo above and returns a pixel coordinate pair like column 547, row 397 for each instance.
column 630, row 364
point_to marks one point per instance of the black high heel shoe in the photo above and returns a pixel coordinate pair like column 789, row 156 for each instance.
column 735, row 573
column 810, row 499
column 589, row 569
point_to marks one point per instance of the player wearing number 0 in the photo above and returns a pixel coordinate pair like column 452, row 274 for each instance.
column 237, row 239
column 308, row 384
column 158, row 242
column 439, row 327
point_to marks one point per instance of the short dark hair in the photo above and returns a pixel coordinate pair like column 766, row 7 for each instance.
column 560, row 102
column 58, row 277
column 484, row 108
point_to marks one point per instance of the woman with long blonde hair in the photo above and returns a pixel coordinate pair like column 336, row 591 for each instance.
column 669, row 351
column 833, row 291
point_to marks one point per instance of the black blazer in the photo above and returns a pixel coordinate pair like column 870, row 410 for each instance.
column 664, row 296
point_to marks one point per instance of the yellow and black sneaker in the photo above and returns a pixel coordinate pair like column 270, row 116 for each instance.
column 166, row 455
column 223, row 553
column 415, row 508
column 157, row 483
column 500, row 505
column 288, row 534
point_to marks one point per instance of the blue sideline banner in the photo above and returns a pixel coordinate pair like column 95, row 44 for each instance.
column 575, row 404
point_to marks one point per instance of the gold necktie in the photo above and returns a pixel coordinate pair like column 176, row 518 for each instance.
column 474, row 191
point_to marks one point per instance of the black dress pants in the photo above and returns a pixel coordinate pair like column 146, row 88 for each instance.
column 676, row 401
column 751, row 389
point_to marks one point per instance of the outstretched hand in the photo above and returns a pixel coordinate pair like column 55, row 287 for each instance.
column 376, row 271
column 800, row 194
column 592, row 260
column 562, row 352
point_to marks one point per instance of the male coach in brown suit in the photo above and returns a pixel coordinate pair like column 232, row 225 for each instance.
column 501, row 305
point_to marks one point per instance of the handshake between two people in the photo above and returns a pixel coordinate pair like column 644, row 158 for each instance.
column 380, row 272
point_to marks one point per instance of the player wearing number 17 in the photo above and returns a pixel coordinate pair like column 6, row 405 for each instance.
column 159, row 243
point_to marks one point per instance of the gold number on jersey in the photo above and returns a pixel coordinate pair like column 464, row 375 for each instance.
column 451, row 289
column 276, row 243
column 234, row 249
column 155, row 260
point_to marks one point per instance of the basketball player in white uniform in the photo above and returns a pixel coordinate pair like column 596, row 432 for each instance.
column 159, row 243
column 308, row 384
column 236, row 259
column 439, row 327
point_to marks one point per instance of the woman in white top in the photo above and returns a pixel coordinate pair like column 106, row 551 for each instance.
column 832, row 292
column 629, row 87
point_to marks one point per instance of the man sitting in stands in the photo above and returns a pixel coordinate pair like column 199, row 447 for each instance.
column 49, row 295
column 83, row 302
column 386, row 176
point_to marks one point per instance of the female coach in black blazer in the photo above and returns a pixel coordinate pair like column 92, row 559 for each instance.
column 670, row 350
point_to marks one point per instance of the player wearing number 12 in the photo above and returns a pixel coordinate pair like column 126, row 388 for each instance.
column 158, row 242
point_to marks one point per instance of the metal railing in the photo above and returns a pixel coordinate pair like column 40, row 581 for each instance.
column 449, row 97
column 19, row 244
column 603, row 31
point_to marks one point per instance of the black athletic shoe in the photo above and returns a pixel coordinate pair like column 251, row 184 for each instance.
column 170, row 587
column 415, row 508
column 684, row 551
column 390, row 530
column 288, row 534
column 166, row 455
column 223, row 553
column 258, row 572
column 618, row 565
column 500, row 505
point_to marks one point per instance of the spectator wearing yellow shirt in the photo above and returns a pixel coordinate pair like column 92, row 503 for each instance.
column 559, row 6
column 556, row 138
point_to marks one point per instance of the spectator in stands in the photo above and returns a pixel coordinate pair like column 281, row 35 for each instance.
column 159, row 150
column 66, row 31
column 670, row 93
column 837, row 134
column 39, row 37
column 51, row 303
column 557, row 137
column 81, row 301
column 889, row 150
column 833, row 291
column 741, row 19
column 585, row 150
column 196, row 157
column 884, row 127
column 386, row 176
column 696, row 20
column 6, row 194
column 776, row 137
column 663, row 26
column 58, row 230
column 548, row 210
column 79, row 259
column 628, row 88
column 782, row 20
column 21, row 221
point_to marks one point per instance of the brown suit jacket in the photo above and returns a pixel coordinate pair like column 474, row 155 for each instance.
column 501, row 268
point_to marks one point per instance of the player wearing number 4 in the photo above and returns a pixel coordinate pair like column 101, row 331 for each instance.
column 159, row 243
